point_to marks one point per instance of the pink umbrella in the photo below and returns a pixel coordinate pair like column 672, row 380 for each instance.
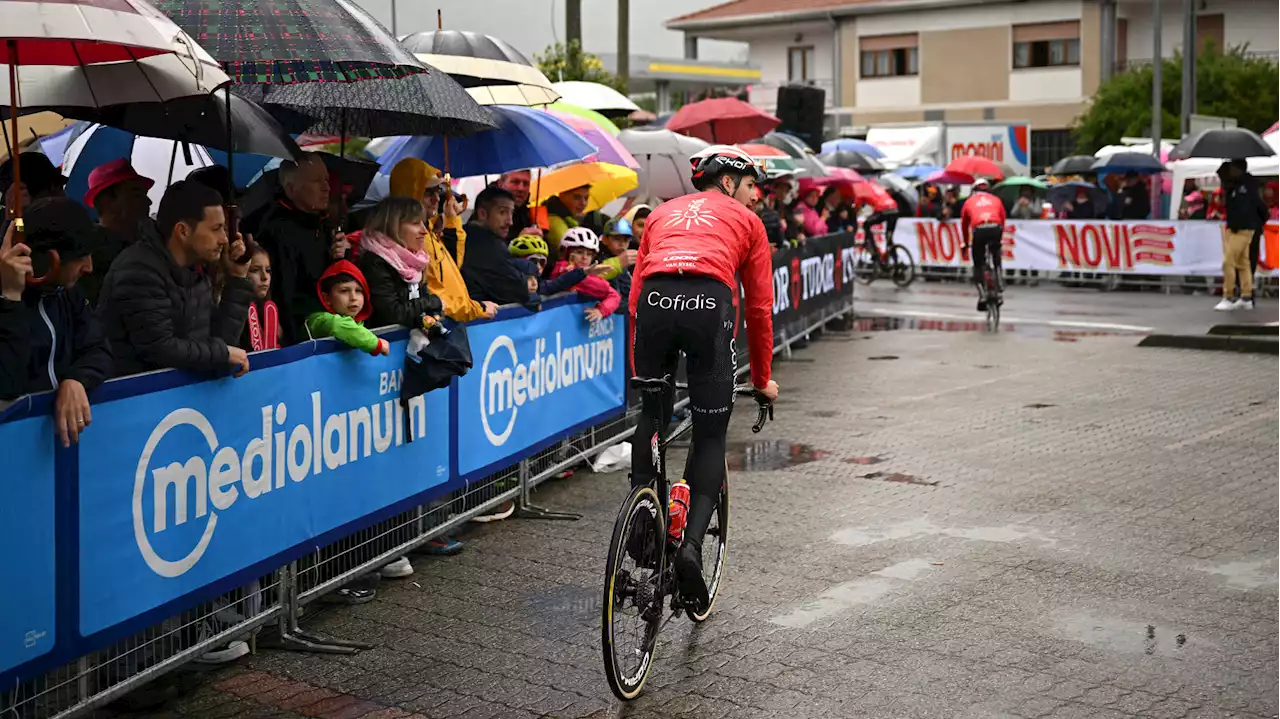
column 610, row 150
column 845, row 173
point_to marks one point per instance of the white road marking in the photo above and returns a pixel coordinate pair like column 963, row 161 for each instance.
column 851, row 594
column 912, row 528
column 1026, row 321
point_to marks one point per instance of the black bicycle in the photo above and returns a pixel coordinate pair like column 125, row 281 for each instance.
column 992, row 289
column 894, row 262
column 639, row 580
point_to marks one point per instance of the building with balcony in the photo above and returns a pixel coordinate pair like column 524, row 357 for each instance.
column 890, row 61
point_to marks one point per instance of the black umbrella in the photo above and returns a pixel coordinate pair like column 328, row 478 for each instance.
column 202, row 121
column 281, row 42
column 1073, row 165
column 1065, row 192
column 1128, row 162
column 494, row 72
column 1228, row 143
column 424, row 104
column 853, row 160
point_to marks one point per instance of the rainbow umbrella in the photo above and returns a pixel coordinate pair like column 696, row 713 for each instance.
column 610, row 149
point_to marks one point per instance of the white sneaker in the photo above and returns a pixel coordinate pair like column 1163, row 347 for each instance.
column 1226, row 305
column 398, row 569
column 1245, row 303
column 227, row 653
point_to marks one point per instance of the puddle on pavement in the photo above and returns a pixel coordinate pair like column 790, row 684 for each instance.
column 1118, row 635
column 770, row 455
column 899, row 478
column 978, row 324
column 884, row 357
column 1040, row 405
column 824, row 413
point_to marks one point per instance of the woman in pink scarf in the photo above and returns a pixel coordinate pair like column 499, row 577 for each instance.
column 814, row 223
column 393, row 260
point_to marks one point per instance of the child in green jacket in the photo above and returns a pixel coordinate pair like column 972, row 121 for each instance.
column 345, row 294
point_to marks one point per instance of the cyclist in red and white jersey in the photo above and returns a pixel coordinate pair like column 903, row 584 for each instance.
column 693, row 249
column 983, row 213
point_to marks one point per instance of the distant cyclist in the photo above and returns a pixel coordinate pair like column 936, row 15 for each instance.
column 682, row 300
column 884, row 210
column 983, row 214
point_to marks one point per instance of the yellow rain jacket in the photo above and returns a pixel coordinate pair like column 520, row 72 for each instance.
column 409, row 178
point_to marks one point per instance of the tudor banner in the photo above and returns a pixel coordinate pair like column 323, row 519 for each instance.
column 808, row 278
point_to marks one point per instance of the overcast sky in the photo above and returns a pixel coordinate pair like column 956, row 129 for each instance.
column 531, row 25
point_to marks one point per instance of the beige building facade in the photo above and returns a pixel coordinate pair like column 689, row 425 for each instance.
column 893, row 61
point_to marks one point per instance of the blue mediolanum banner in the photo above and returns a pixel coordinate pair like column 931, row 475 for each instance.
column 27, row 571
column 534, row 378
column 194, row 484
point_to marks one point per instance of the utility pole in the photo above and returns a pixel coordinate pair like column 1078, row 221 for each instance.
column 394, row 31
column 1157, row 85
column 572, row 22
column 624, row 42
column 1188, row 64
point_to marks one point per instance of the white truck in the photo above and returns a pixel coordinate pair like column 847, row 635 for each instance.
column 938, row 143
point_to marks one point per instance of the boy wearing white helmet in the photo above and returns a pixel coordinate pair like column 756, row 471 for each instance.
column 579, row 248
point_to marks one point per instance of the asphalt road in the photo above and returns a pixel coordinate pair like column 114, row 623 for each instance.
column 1047, row 522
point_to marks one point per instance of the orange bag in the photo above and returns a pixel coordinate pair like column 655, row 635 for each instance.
column 1269, row 259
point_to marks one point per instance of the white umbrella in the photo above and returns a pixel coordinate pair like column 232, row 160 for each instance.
column 492, row 71
column 664, row 161
column 594, row 96
column 96, row 57
column 164, row 161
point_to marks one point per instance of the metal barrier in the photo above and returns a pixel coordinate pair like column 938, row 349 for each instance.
column 278, row 598
column 1264, row 286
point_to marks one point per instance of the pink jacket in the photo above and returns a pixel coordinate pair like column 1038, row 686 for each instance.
column 814, row 225
column 593, row 287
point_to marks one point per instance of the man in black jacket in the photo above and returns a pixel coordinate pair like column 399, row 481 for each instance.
column 485, row 269
column 1246, row 216
column 1134, row 199
column 49, row 336
column 300, row 241
column 159, row 310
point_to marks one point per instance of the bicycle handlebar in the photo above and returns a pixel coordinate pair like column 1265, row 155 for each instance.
column 765, row 406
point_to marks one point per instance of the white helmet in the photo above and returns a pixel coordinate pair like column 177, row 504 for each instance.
column 582, row 237
column 981, row 184
column 709, row 162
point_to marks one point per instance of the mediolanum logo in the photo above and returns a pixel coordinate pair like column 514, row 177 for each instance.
column 202, row 483
column 507, row 382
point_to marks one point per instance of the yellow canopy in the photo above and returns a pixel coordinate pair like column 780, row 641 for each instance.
column 608, row 183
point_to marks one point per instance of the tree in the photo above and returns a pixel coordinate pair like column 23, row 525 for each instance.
column 1230, row 84
column 561, row 62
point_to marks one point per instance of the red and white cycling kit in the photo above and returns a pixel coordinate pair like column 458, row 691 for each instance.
column 711, row 235
column 984, row 213
column 682, row 293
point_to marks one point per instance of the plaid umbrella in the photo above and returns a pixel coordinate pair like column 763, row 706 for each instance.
column 423, row 104
column 281, row 42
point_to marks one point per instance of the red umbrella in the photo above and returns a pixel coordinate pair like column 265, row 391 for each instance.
column 871, row 193
column 950, row 177
column 976, row 166
column 724, row 120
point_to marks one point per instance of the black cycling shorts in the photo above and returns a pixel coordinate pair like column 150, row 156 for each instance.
column 694, row 315
column 987, row 238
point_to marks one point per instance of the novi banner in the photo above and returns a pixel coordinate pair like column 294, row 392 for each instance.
column 537, row 377
column 1145, row 247
column 187, row 486
column 27, row 539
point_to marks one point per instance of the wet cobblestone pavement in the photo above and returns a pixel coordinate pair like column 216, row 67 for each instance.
column 982, row 526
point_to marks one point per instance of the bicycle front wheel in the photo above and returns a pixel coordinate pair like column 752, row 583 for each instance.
column 715, row 546
column 632, row 606
column 902, row 266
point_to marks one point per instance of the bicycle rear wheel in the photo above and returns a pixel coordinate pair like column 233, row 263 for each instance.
column 993, row 313
column 902, row 266
column 632, row 606
column 866, row 266
column 715, row 546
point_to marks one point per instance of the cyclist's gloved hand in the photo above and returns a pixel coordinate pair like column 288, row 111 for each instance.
column 770, row 391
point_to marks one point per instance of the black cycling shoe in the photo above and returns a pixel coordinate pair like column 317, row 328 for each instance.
column 693, row 588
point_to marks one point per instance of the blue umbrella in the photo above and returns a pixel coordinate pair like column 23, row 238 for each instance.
column 525, row 138
column 849, row 143
column 917, row 172
column 55, row 146
column 164, row 161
